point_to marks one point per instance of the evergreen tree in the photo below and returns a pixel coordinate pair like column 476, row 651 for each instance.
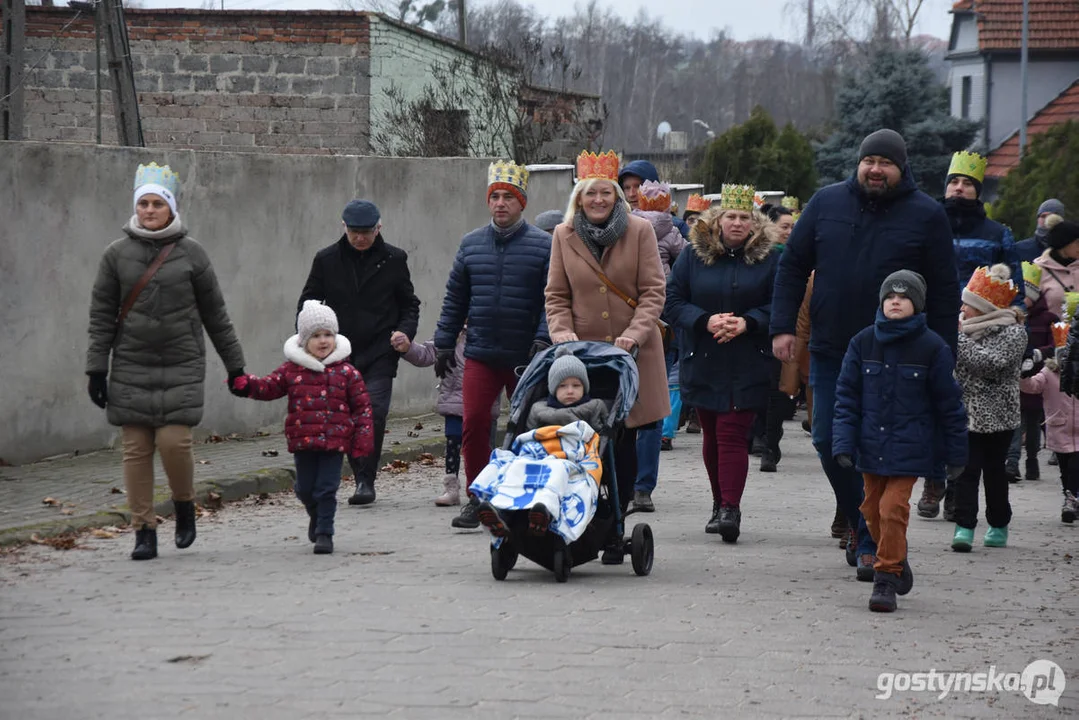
column 1048, row 170
column 898, row 91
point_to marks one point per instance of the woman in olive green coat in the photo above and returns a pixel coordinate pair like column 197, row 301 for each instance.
column 153, row 387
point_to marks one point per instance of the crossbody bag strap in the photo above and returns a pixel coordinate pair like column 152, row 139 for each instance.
column 1066, row 286
column 129, row 301
column 614, row 288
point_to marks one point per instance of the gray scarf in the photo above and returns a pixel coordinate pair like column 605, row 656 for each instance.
column 504, row 233
column 598, row 237
column 174, row 229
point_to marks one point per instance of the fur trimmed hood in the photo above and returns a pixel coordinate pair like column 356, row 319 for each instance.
column 705, row 241
column 298, row 355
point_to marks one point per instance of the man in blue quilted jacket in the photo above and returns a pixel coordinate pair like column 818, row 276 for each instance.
column 497, row 286
column 854, row 234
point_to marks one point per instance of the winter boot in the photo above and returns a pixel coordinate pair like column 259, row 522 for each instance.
column 865, row 571
column 906, row 579
column 996, row 537
column 730, row 524
column 1070, row 509
column 949, row 504
column 693, row 425
column 1011, row 469
column 666, row 444
column 185, row 522
column 884, row 590
column 365, row 492
column 539, row 520
column 1053, row 459
column 712, row 526
column 963, row 540
column 451, row 492
column 929, row 504
column 469, row 518
column 1033, row 471
column 852, row 547
column 839, row 527
column 770, row 459
column 642, row 501
column 492, row 519
column 324, row 545
column 145, row 544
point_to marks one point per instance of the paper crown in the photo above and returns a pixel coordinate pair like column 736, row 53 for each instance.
column 999, row 293
column 508, row 174
column 758, row 200
column 794, row 216
column 654, row 196
column 1032, row 274
column 737, row 197
column 697, row 203
column 1060, row 334
column 591, row 166
column 791, row 203
column 154, row 174
column 967, row 163
column 1068, row 307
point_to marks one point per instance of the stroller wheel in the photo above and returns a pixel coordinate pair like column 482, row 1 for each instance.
column 503, row 558
column 562, row 564
column 642, row 549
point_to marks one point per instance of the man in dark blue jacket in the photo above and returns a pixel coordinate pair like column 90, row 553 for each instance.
column 854, row 234
column 632, row 176
column 1031, row 249
column 497, row 286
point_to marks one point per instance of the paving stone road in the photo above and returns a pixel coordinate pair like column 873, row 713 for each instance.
column 405, row 620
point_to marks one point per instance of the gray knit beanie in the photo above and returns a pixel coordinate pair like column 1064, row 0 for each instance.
column 548, row 220
column 886, row 143
column 1052, row 205
column 907, row 283
column 566, row 365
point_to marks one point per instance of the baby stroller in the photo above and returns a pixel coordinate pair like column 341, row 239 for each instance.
column 612, row 375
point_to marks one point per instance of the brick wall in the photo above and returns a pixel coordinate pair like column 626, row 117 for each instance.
column 291, row 82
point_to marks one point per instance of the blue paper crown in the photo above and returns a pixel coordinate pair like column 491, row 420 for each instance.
column 154, row 174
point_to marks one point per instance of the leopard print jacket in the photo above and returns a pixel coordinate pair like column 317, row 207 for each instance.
column 988, row 371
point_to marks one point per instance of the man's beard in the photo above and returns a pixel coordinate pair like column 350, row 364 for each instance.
column 878, row 191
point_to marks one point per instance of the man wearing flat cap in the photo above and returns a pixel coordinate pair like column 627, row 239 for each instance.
column 367, row 283
column 854, row 234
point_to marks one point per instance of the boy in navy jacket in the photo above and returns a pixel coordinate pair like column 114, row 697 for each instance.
column 895, row 395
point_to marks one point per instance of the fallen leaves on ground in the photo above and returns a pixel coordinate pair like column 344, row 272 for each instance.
column 67, row 541
column 418, row 426
column 412, row 434
column 102, row 533
column 426, row 459
column 396, row 467
column 67, row 511
column 203, row 462
column 116, row 491
column 51, row 502
column 213, row 500
column 215, row 439
column 270, row 453
column 187, row 658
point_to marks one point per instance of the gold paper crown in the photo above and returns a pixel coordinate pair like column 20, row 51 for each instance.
column 1000, row 293
column 154, row 174
column 591, row 166
column 1032, row 274
column 795, row 216
column 654, row 196
column 1060, row 334
column 507, row 173
column 791, row 203
column 967, row 163
column 697, row 203
column 737, row 197
column 1068, row 307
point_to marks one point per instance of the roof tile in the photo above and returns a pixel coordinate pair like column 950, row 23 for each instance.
column 1063, row 108
column 1054, row 24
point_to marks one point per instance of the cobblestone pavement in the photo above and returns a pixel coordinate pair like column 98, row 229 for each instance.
column 405, row 620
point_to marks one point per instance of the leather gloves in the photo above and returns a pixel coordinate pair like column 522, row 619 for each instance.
column 238, row 383
column 845, row 461
column 954, row 471
column 445, row 360
column 99, row 389
column 538, row 346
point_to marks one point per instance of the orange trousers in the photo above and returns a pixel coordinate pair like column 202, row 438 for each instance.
column 886, row 510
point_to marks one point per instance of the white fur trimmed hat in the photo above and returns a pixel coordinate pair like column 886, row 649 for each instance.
column 315, row 316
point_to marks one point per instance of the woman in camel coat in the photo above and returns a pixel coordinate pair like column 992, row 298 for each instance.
column 580, row 306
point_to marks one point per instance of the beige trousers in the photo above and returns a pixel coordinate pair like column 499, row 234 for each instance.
column 173, row 442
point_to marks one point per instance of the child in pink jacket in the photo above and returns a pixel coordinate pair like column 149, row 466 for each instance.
column 329, row 413
column 1061, row 421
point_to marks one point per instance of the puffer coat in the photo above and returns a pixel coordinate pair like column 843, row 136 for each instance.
column 328, row 406
column 157, row 360
column 451, row 389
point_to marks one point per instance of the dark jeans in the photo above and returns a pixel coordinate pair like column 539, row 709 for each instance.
column 379, row 390
column 1031, row 424
column 648, row 448
column 1069, row 472
column 318, row 476
column 625, row 463
column 454, row 426
column 987, row 456
column 847, row 484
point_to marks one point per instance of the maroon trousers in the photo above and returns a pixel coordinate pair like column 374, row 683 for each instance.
column 726, row 453
column 481, row 386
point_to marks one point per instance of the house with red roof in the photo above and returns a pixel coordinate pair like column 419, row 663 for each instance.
column 984, row 54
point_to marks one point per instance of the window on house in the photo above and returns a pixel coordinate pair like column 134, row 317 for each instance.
column 445, row 132
column 965, row 93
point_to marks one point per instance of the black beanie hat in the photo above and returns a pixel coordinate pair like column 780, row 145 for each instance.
column 977, row 184
column 1061, row 232
column 886, row 143
column 907, row 283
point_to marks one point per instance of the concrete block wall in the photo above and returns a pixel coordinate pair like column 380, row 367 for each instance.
column 234, row 81
column 261, row 218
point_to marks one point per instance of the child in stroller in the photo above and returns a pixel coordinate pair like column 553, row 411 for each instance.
column 551, row 493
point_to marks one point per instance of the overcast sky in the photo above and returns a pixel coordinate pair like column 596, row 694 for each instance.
column 746, row 19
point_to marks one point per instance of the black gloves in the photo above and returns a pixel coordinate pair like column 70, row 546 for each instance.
column 538, row 346
column 845, row 461
column 954, row 471
column 1032, row 365
column 99, row 389
column 1068, row 376
column 445, row 360
column 237, row 391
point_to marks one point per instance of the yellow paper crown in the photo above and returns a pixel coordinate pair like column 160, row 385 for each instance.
column 1068, row 307
column 654, row 196
column 1032, row 275
column 737, row 197
column 1060, row 334
column 697, row 203
column 1000, row 293
column 154, row 174
column 591, row 166
column 967, row 163
column 791, row 203
column 507, row 173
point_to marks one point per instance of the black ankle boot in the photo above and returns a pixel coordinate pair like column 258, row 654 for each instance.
column 712, row 526
column 185, row 522
column 145, row 544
